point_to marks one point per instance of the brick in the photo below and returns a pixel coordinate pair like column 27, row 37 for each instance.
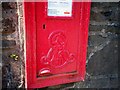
column 112, row 29
column 11, row 68
column 97, row 40
column 104, row 4
column 8, row 44
column 9, row 26
column 104, row 61
column 99, row 82
column 1, row 27
column 105, row 12
column 9, row 5
column 10, row 13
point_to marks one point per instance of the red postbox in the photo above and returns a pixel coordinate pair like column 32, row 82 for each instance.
column 56, row 42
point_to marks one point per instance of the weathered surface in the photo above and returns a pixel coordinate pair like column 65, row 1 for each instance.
column 12, row 53
column 0, row 45
column 102, row 57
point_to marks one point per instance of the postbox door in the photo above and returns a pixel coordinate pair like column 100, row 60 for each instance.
column 57, row 37
column 56, row 41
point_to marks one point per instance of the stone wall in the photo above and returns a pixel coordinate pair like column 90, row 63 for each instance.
column 12, row 47
column 0, row 49
column 102, row 57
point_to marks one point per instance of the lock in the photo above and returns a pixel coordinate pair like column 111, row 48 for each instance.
column 44, row 26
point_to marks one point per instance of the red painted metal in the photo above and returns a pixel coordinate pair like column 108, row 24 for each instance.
column 55, row 45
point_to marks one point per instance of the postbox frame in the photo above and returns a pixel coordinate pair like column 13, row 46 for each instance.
column 30, row 44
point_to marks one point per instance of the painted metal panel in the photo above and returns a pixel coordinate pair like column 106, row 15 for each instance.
column 56, row 44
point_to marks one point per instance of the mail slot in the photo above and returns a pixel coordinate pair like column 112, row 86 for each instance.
column 56, row 42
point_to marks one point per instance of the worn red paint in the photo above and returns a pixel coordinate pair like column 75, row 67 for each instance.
column 55, row 45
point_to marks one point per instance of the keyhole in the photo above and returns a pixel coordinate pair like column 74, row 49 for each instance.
column 44, row 26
